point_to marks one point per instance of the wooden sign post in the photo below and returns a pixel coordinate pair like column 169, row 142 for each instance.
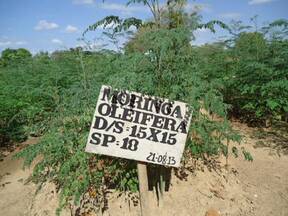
column 143, row 188
column 139, row 127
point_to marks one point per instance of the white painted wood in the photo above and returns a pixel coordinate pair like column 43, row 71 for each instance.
column 149, row 149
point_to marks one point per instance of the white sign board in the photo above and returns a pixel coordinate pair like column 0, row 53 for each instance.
column 139, row 127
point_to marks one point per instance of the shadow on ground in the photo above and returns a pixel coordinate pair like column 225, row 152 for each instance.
column 275, row 138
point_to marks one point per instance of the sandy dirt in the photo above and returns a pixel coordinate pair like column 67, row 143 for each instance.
column 18, row 195
column 258, row 188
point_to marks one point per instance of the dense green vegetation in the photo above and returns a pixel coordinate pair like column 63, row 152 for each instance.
column 253, row 73
column 54, row 95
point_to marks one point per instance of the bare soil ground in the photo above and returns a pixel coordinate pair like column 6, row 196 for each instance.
column 258, row 188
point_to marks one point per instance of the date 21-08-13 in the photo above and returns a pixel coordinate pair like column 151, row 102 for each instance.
column 163, row 159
